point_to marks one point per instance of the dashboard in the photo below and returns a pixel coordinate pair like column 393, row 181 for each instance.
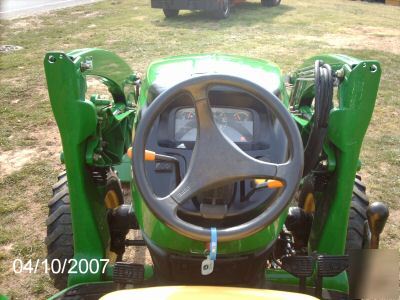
column 239, row 116
column 237, row 124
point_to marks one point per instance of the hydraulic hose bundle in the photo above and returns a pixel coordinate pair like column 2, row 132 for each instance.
column 323, row 94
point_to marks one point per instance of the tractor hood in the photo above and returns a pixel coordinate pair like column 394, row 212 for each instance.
column 168, row 72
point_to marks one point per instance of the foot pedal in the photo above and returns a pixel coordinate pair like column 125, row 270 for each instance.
column 299, row 266
column 128, row 273
column 135, row 243
column 329, row 266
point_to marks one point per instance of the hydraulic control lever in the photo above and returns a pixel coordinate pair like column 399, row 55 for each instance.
column 377, row 214
column 259, row 184
column 152, row 156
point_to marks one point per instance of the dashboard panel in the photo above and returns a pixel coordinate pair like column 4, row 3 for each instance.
column 240, row 116
column 236, row 123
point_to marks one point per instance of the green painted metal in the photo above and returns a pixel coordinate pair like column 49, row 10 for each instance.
column 278, row 276
column 124, row 170
column 161, row 235
column 62, row 293
column 86, row 127
column 347, row 126
column 346, row 130
column 259, row 71
column 113, row 132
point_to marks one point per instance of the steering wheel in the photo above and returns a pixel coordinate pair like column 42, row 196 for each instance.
column 216, row 160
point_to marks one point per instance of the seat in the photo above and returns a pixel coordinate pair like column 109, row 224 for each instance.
column 203, row 292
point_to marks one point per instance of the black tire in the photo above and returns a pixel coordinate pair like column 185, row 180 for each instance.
column 270, row 3
column 358, row 235
column 59, row 240
column 357, row 228
column 170, row 13
column 224, row 10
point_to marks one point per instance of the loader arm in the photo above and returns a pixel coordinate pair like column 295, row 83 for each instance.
column 358, row 83
column 95, row 134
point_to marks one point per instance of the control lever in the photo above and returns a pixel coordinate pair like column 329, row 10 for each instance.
column 377, row 214
column 152, row 156
column 259, row 184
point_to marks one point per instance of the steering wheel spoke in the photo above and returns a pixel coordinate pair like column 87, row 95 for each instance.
column 205, row 118
column 211, row 151
column 185, row 190
column 198, row 92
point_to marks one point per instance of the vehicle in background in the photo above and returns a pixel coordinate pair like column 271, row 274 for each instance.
column 220, row 9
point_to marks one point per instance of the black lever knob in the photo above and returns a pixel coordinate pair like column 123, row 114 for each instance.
column 377, row 214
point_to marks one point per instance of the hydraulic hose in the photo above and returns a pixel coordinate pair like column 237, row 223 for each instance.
column 322, row 107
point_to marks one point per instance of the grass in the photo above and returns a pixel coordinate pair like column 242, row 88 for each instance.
column 287, row 35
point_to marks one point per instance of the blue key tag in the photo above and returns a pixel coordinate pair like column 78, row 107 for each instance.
column 207, row 265
column 213, row 244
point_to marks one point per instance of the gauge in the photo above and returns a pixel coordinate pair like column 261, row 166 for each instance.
column 242, row 116
column 189, row 115
column 236, row 124
column 219, row 116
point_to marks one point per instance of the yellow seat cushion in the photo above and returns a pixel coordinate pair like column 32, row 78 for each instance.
column 202, row 293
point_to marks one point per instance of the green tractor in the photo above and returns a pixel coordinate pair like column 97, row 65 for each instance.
column 240, row 182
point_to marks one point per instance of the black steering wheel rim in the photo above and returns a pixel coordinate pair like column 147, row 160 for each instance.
column 165, row 209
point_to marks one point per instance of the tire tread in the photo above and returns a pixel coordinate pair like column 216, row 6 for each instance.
column 59, row 240
column 357, row 217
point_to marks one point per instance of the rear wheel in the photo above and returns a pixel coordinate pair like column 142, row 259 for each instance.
column 59, row 240
column 224, row 10
column 269, row 3
column 170, row 13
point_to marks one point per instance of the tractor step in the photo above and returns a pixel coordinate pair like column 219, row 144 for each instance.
column 303, row 267
column 329, row 266
column 299, row 266
column 128, row 273
column 135, row 243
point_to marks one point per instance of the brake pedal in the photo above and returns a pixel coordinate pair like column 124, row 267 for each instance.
column 329, row 266
column 128, row 273
column 135, row 243
column 299, row 266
